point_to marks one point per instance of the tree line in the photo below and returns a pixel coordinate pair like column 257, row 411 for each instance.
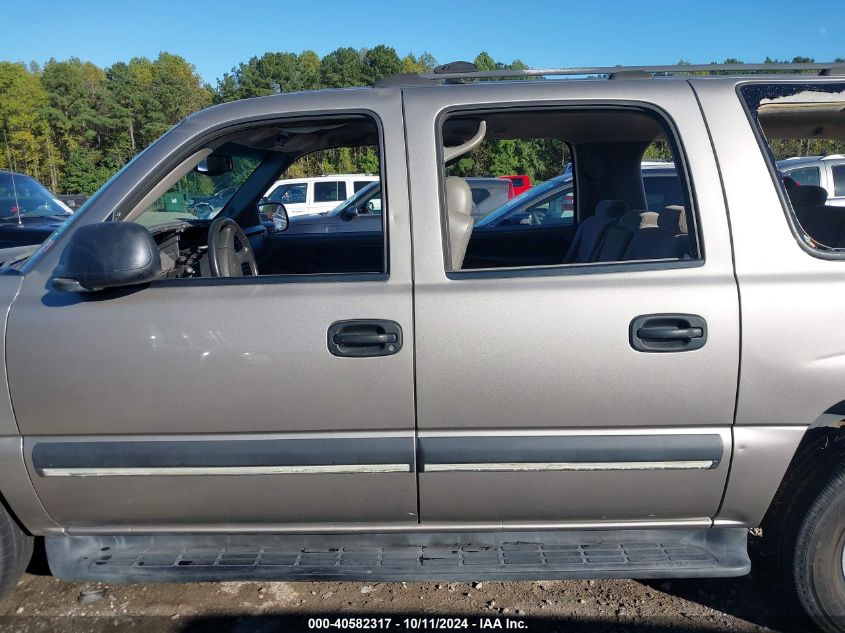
column 72, row 124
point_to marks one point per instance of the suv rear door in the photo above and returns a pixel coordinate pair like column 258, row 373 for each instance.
column 533, row 409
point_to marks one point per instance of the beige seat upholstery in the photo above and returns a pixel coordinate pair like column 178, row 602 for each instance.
column 459, row 217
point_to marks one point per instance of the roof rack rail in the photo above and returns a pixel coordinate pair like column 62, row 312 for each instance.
column 466, row 70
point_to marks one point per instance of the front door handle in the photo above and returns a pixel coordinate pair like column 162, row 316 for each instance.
column 362, row 338
column 660, row 333
column 668, row 332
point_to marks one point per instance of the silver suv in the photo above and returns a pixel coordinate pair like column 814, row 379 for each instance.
column 622, row 395
column 819, row 171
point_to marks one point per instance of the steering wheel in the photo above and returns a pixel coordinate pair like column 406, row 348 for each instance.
column 229, row 252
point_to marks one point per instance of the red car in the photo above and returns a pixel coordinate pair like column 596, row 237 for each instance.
column 520, row 183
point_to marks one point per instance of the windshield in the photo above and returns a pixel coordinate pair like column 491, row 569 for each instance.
column 200, row 195
column 372, row 189
column 24, row 197
column 522, row 199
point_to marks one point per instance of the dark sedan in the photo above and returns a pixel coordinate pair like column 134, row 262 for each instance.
column 361, row 212
column 28, row 212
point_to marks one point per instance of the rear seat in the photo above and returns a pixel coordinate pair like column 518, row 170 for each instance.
column 824, row 224
column 646, row 235
column 591, row 231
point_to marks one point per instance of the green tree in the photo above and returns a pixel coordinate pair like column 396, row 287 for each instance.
column 25, row 143
column 342, row 68
column 80, row 109
column 380, row 61
column 425, row 63
column 172, row 90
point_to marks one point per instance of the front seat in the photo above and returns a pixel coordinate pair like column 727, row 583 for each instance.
column 591, row 231
column 459, row 216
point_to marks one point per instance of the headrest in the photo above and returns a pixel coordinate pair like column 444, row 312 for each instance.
column 648, row 219
column 632, row 220
column 807, row 196
column 458, row 196
column 611, row 208
column 673, row 219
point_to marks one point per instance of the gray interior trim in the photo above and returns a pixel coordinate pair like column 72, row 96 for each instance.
column 204, row 456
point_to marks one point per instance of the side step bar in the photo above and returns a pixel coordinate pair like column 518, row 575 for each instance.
column 669, row 553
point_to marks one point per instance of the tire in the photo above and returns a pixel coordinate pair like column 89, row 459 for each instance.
column 817, row 536
column 15, row 552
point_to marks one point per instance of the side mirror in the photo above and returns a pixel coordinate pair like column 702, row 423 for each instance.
column 215, row 165
column 274, row 212
column 280, row 217
column 517, row 219
column 108, row 255
column 267, row 208
column 353, row 211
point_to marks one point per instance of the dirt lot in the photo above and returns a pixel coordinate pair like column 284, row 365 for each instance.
column 753, row 603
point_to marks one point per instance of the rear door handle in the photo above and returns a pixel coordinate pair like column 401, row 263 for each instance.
column 362, row 338
column 668, row 332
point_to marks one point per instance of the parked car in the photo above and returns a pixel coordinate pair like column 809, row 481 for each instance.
column 205, row 207
column 488, row 194
column 362, row 212
column 819, row 171
column 520, row 183
column 320, row 194
column 552, row 201
column 73, row 201
column 29, row 213
column 433, row 400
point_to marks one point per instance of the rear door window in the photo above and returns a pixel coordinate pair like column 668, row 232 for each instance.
column 838, row 172
column 331, row 191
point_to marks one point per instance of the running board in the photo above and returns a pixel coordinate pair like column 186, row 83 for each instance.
column 666, row 553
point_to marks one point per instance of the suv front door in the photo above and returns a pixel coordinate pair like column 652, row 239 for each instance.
column 215, row 404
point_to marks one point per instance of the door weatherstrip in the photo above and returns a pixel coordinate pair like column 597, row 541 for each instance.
column 170, row 471
column 568, row 466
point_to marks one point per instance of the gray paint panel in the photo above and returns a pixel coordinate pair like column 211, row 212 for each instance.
column 589, row 449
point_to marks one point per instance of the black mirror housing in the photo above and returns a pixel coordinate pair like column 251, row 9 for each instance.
column 215, row 165
column 108, row 255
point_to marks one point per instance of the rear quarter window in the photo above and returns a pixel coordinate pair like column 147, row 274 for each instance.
column 797, row 120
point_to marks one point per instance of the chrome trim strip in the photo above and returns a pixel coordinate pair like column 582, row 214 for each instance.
column 566, row 466
column 575, row 432
column 170, row 471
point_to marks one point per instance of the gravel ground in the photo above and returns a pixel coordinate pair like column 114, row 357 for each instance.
column 753, row 603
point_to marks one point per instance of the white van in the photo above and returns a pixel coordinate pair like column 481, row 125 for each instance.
column 319, row 194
